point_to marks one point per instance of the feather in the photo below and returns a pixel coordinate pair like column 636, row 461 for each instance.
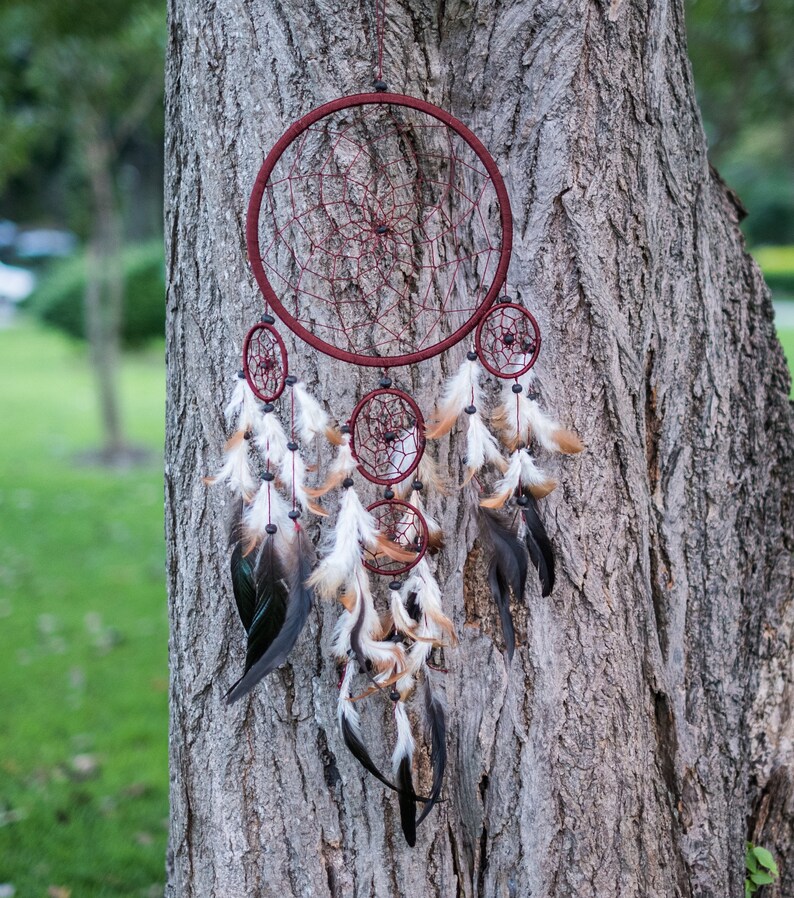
column 236, row 469
column 271, row 439
column 460, row 390
column 242, row 569
column 343, row 466
column 350, row 725
column 522, row 471
column 538, row 544
column 401, row 762
column 551, row 436
column 435, row 535
column 436, row 722
column 354, row 527
column 243, row 409
column 312, row 419
column 507, row 569
column 428, row 599
column 393, row 550
column 298, row 604
column 364, row 632
column 481, row 447
column 268, row 507
column 403, row 622
column 292, row 472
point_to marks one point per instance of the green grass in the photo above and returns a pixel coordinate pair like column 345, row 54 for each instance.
column 83, row 630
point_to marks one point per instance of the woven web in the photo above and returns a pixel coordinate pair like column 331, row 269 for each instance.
column 402, row 524
column 380, row 230
column 508, row 340
column 264, row 362
column 387, row 439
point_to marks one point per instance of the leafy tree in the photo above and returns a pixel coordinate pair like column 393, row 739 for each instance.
column 78, row 80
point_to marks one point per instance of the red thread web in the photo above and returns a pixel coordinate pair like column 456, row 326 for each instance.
column 404, row 525
column 387, row 436
column 380, row 231
column 265, row 362
column 508, row 340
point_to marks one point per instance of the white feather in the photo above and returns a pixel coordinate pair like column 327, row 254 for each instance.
column 243, row 408
column 461, row 389
column 236, row 470
column 542, row 426
column 354, row 526
column 481, row 445
column 403, row 622
column 312, row 417
column 271, row 439
column 531, row 474
column 405, row 738
column 269, row 507
column 433, row 527
column 516, row 412
column 344, row 708
column 292, row 472
column 344, row 463
column 403, row 452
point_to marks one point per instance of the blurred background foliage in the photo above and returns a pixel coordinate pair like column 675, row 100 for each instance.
column 83, row 633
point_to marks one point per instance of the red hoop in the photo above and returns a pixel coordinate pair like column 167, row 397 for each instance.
column 387, row 436
column 265, row 362
column 382, row 233
column 403, row 524
column 508, row 340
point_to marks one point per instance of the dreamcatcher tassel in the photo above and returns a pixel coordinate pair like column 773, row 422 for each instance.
column 533, row 533
column 435, row 535
column 243, row 409
column 236, row 468
column 355, row 529
column 402, row 760
column 365, row 632
column 292, row 473
column 436, row 726
column 283, row 602
column 461, row 391
column 269, row 508
column 507, row 569
column 522, row 471
column 312, row 419
column 518, row 418
column 428, row 599
column 481, row 447
column 271, row 439
column 350, row 726
column 343, row 466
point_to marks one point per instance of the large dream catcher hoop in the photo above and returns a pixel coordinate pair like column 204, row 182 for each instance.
column 379, row 232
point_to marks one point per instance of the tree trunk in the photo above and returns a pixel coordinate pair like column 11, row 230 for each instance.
column 643, row 730
column 104, row 297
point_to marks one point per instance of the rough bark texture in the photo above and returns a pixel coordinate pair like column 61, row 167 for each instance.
column 644, row 729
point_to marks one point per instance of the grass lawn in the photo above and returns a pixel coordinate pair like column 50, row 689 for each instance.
column 83, row 631
column 786, row 337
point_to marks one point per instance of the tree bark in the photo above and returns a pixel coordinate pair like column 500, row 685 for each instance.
column 643, row 730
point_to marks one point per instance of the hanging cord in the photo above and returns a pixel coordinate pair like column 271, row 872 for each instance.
column 380, row 28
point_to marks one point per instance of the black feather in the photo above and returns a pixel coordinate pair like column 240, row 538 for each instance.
column 242, row 568
column 507, row 569
column 283, row 604
column 437, row 722
column 538, row 545
column 360, row 753
column 407, row 801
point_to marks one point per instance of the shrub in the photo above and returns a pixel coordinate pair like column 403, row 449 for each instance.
column 58, row 299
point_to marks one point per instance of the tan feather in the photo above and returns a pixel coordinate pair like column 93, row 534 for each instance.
column 331, row 482
column 441, row 424
column 234, row 440
column 445, row 623
column 314, row 508
column 348, row 601
column 333, row 435
column 496, row 501
column 568, row 441
column 391, row 549
column 435, row 540
column 540, row 490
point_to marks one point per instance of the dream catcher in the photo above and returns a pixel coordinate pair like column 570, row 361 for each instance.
column 379, row 231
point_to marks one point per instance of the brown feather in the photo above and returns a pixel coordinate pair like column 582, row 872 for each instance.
column 333, row 435
column 234, row 440
column 392, row 550
column 496, row 501
column 314, row 508
column 348, row 601
column 567, row 441
column 541, row 490
column 441, row 424
column 435, row 540
column 332, row 481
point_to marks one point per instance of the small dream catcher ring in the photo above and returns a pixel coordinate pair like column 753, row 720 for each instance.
column 379, row 229
column 265, row 361
column 404, row 526
column 508, row 340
